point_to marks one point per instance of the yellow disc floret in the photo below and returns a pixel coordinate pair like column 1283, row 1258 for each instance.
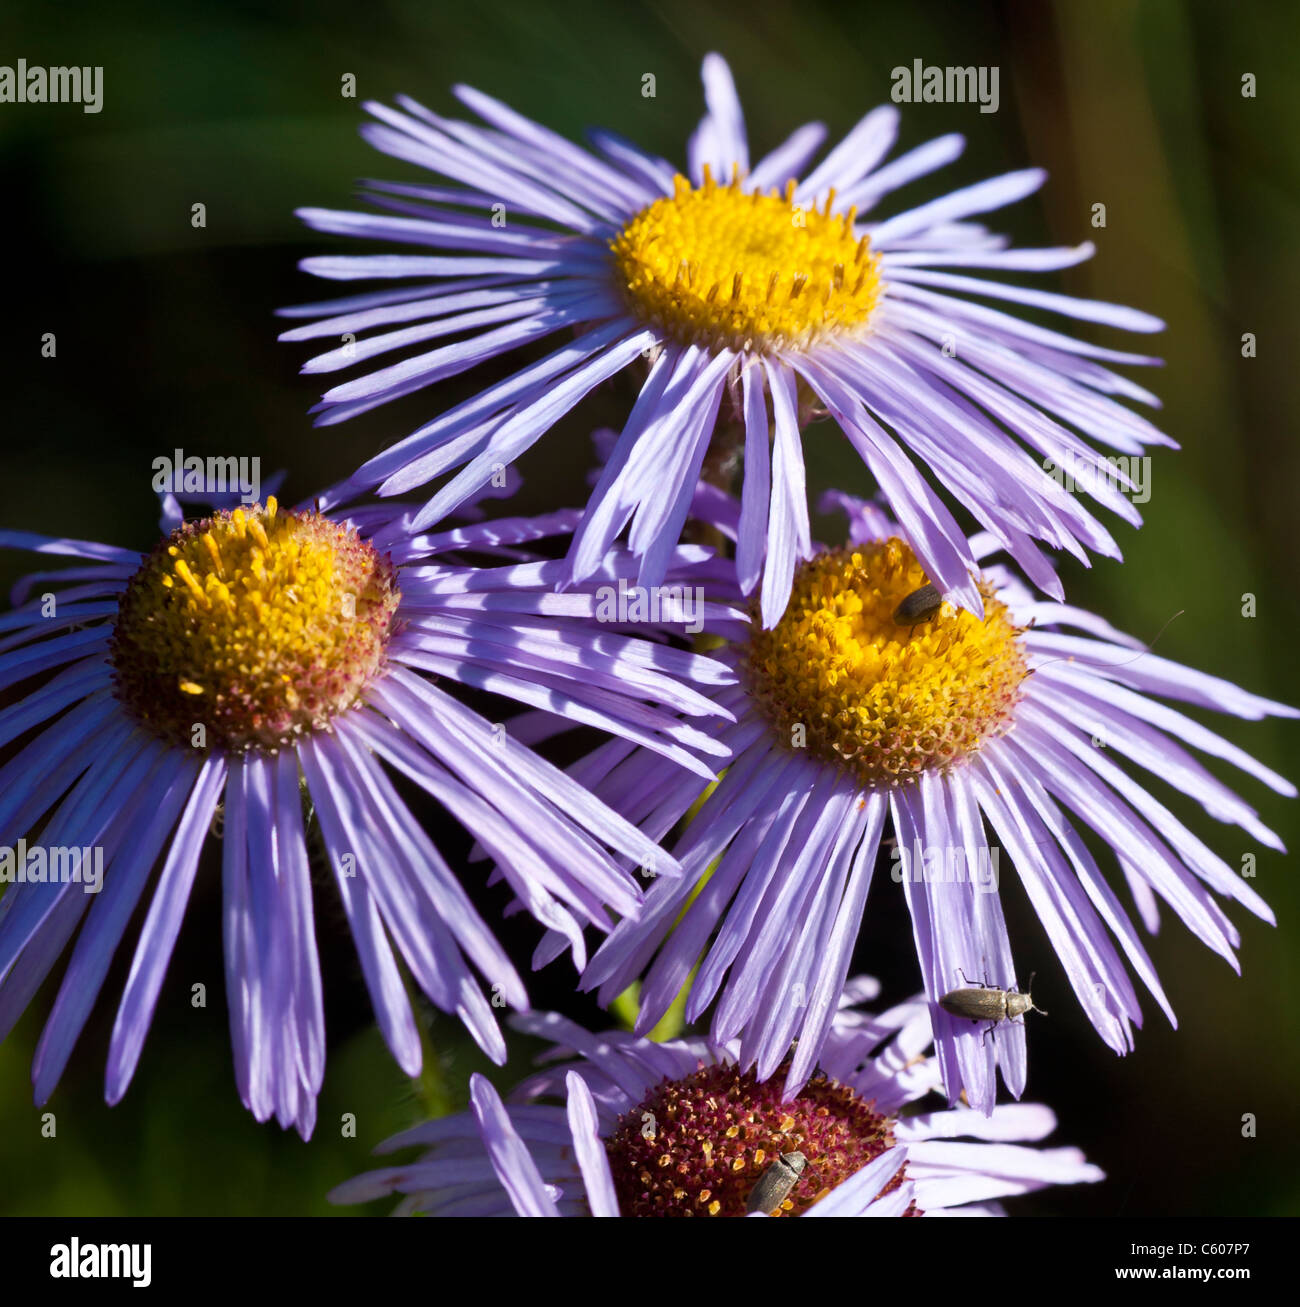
column 841, row 676
column 256, row 625
column 722, row 267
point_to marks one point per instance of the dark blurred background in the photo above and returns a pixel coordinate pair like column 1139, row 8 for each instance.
column 165, row 338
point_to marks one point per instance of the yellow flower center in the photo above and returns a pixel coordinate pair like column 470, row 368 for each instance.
column 723, row 267
column 251, row 627
column 887, row 692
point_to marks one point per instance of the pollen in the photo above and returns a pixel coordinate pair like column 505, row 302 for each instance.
column 257, row 626
column 719, row 266
column 841, row 677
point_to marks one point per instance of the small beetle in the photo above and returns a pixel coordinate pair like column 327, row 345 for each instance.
column 987, row 1003
column 920, row 606
column 775, row 1184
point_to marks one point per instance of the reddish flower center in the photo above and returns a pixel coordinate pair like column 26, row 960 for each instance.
column 699, row 1146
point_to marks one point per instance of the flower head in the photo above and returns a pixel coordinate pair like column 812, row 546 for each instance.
column 678, row 1129
column 270, row 670
column 762, row 294
column 862, row 722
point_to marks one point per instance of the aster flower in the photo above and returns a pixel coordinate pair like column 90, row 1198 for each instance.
column 956, row 738
column 762, row 291
column 262, row 657
column 677, row 1129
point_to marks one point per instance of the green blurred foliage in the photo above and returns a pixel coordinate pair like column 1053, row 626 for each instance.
column 166, row 337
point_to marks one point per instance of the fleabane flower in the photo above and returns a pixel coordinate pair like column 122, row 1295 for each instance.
column 765, row 291
column 865, row 720
column 678, row 1129
column 278, row 668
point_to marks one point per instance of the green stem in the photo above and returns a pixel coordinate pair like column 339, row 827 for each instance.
column 431, row 1088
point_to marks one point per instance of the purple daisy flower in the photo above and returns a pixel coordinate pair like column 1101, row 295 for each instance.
column 678, row 1129
column 865, row 714
column 747, row 290
column 260, row 658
